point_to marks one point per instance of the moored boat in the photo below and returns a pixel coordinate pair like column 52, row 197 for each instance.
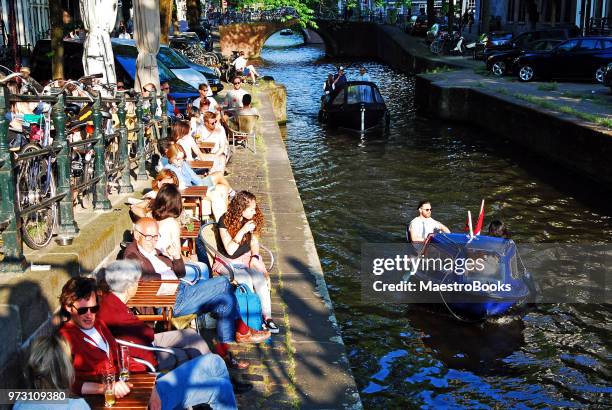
column 358, row 105
column 286, row 32
column 498, row 283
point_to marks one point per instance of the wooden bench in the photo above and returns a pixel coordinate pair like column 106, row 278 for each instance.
column 198, row 164
column 137, row 399
column 146, row 297
column 197, row 195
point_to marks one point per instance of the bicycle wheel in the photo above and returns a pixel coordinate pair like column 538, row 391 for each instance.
column 36, row 183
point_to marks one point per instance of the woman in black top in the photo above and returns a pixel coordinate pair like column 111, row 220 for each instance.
column 240, row 229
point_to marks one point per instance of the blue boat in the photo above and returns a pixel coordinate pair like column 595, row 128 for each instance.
column 498, row 282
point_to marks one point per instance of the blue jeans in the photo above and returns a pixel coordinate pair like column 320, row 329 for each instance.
column 203, row 379
column 211, row 295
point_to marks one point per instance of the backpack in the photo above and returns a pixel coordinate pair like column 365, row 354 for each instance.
column 249, row 306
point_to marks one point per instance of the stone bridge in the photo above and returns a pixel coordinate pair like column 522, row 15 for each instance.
column 250, row 37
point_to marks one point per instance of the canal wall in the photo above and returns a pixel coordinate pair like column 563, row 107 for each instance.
column 579, row 146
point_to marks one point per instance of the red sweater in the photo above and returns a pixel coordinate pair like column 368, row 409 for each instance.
column 124, row 325
column 90, row 362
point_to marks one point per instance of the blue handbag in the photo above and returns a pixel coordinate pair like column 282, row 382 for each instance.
column 249, row 306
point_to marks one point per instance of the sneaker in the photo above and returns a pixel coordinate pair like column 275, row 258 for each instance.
column 234, row 363
column 271, row 326
column 254, row 336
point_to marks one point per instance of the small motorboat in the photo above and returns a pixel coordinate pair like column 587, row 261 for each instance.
column 357, row 106
column 499, row 283
column 286, row 32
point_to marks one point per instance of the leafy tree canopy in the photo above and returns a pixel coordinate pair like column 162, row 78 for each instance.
column 304, row 9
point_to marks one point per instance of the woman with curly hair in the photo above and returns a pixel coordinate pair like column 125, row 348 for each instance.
column 240, row 229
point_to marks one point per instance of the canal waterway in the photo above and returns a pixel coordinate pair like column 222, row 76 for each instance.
column 357, row 191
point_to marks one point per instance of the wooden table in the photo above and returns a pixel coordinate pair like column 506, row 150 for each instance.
column 197, row 193
column 206, row 145
column 146, row 296
column 138, row 398
column 198, row 164
column 190, row 236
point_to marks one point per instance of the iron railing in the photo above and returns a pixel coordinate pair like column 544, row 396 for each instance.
column 60, row 154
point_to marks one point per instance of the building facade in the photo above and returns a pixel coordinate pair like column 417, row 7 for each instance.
column 31, row 20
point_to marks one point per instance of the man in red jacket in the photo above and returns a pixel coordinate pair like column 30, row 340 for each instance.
column 122, row 279
column 203, row 379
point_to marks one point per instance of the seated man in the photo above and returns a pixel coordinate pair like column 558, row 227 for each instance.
column 213, row 131
column 203, row 379
column 233, row 98
column 207, row 295
column 245, row 110
column 205, row 94
column 424, row 224
column 243, row 67
column 121, row 277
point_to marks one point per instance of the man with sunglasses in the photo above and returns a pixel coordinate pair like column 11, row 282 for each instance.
column 233, row 98
column 95, row 353
column 424, row 224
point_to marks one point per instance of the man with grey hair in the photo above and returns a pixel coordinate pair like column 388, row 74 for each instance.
column 122, row 278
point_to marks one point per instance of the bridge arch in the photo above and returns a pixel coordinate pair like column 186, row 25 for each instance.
column 251, row 37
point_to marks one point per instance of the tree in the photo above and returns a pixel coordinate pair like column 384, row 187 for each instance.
column 431, row 13
column 56, row 13
column 304, row 9
column 165, row 19
column 193, row 12
column 485, row 16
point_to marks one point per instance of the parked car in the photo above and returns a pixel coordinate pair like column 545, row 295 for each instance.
column 608, row 76
column 576, row 58
column 211, row 76
column 500, row 63
column 125, row 67
column 490, row 39
column 417, row 25
column 527, row 37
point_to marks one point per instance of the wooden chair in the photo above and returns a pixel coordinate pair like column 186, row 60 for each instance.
column 247, row 129
column 209, row 233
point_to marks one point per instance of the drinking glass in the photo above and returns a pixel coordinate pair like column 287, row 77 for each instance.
column 109, row 390
column 124, row 357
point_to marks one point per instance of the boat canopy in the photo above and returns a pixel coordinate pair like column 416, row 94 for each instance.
column 358, row 92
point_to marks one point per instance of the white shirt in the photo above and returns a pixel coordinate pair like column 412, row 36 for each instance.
column 240, row 63
column 213, row 104
column 217, row 136
column 95, row 338
column 423, row 226
column 188, row 144
column 159, row 266
column 233, row 98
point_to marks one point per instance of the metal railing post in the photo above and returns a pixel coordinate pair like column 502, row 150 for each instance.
column 164, row 117
column 141, row 174
column 125, row 184
column 101, row 193
column 14, row 260
column 67, row 225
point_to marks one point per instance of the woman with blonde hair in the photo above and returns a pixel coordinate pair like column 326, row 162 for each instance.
column 240, row 229
column 49, row 367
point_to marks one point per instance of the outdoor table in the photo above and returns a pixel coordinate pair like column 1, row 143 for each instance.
column 199, row 164
column 206, row 145
column 198, row 194
column 138, row 398
column 190, row 236
column 146, row 296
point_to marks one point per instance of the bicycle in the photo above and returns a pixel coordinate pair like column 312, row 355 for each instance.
column 35, row 179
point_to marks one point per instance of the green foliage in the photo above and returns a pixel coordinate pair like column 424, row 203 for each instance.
column 303, row 8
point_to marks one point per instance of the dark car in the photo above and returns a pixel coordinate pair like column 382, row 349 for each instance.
column 500, row 63
column 491, row 39
column 608, row 76
column 125, row 67
column 576, row 58
column 527, row 37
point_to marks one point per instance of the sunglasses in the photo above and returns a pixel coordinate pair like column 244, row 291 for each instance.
column 427, row 210
column 238, row 82
column 84, row 310
column 150, row 237
column 165, row 88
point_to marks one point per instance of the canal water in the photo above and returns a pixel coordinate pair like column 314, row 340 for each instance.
column 364, row 190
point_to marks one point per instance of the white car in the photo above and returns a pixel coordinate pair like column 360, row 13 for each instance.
column 176, row 64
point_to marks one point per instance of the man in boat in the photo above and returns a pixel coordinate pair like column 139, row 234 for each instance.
column 424, row 224
column 363, row 76
column 340, row 80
